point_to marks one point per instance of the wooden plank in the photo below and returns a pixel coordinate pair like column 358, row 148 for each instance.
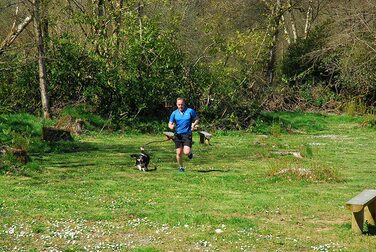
column 369, row 214
column 357, row 222
column 372, row 211
column 206, row 134
column 169, row 135
column 357, row 203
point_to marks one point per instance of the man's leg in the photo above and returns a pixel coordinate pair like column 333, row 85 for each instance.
column 187, row 150
column 179, row 156
column 188, row 146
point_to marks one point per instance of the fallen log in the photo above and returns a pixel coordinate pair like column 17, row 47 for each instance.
column 51, row 134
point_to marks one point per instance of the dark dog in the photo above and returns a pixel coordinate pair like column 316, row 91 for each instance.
column 142, row 160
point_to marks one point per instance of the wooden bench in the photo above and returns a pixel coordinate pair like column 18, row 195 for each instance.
column 169, row 135
column 363, row 208
column 205, row 137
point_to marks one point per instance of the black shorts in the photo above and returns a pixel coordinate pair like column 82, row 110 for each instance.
column 182, row 140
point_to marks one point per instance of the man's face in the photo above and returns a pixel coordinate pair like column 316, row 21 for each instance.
column 180, row 104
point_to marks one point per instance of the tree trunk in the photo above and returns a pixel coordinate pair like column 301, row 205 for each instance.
column 118, row 20
column 140, row 13
column 308, row 22
column 274, row 27
column 292, row 21
column 99, row 26
column 41, row 60
column 287, row 34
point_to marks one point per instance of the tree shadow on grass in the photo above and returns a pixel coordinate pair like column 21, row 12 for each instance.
column 211, row 170
column 72, row 164
column 78, row 155
column 86, row 154
column 78, row 147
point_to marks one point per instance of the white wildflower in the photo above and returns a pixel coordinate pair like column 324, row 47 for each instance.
column 219, row 231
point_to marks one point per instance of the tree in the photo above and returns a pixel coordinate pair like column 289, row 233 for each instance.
column 276, row 14
column 41, row 60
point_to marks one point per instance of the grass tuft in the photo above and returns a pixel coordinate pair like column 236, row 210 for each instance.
column 314, row 171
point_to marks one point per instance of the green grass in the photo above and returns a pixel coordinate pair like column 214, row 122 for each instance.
column 92, row 199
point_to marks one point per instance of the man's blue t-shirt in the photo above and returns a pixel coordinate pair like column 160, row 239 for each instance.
column 183, row 120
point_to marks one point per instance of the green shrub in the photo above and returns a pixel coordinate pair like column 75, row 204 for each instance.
column 357, row 72
column 355, row 107
column 325, row 173
column 19, row 89
column 369, row 120
column 276, row 130
column 299, row 66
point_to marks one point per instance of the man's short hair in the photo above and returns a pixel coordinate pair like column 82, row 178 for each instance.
column 180, row 99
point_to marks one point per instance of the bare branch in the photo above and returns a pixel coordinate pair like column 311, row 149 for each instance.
column 79, row 6
column 203, row 54
column 365, row 24
column 366, row 44
column 14, row 34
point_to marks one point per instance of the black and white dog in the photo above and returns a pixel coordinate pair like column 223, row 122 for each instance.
column 142, row 160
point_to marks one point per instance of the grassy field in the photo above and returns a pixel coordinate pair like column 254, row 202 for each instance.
column 236, row 194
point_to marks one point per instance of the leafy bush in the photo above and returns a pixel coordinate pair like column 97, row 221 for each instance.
column 136, row 79
column 309, row 72
column 19, row 89
column 301, row 66
column 275, row 130
column 357, row 72
column 355, row 107
column 369, row 120
column 71, row 71
column 139, row 77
